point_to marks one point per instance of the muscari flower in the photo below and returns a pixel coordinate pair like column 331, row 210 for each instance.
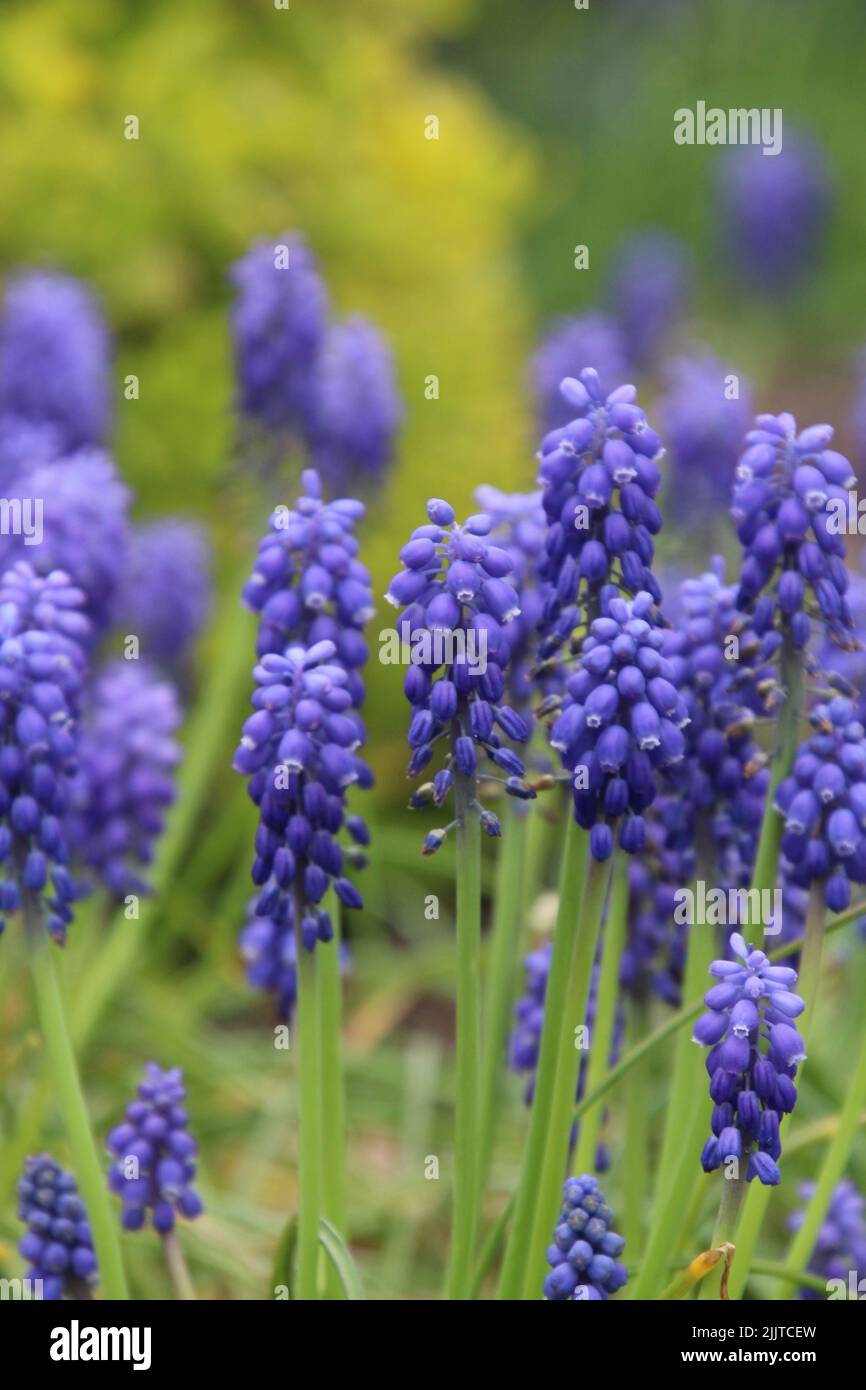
column 308, row 583
column 620, row 721
column 840, row 1245
column 823, row 802
column 519, row 527
column 43, row 636
column 154, row 1154
column 457, row 608
column 58, row 1246
column 165, row 589
column 754, row 1053
column 650, row 290
column 268, row 947
column 356, row 408
column 794, row 558
column 278, row 320
column 55, row 358
column 599, row 475
column 702, row 428
column 125, row 780
column 299, row 751
column 24, row 444
column 585, row 1250
column 84, row 529
column 563, row 352
column 774, row 212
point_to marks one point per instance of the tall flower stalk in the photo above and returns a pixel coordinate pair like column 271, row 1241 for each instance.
column 458, row 613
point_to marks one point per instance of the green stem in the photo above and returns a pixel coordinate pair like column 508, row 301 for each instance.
column 558, row 1139
column 634, row 1159
column 508, row 919
column 177, row 1269
column 64, row 1073
column 833, row 1167
column 807, row 988
column 685, row 1123
column 329, row 986
column 734, row 1193
column 607, row 999
column 575, row 847
column 767, row 857
column 467, row 1116
column 309, row 1114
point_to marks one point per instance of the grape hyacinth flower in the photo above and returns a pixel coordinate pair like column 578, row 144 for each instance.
column 840, row 1246
column 125, row 781
column 308, row 584
column 754, row 1054
column 519, row 527
column 620, row 721
column 356, row 408
column 84, row 527
column 823, row 802
column 702, row 426
column 650, row 290
column 154, row 1155
column 278, row 319
column 269, row 949
column 25, row 444
column 165, row 590
column 58, row 1245
column 585, row 1252
column 564, row 352
column 774, row 213
column 794, row 563
column 55, row 358
column 43, row 635
column 457, row 607
column 299, row 752
column 599, row 475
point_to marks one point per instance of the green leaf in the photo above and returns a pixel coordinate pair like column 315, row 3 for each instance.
column 284, row 1257
column 338, row 1253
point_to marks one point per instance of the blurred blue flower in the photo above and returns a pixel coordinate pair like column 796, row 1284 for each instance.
column 650, row 290
column 356, row 407
column 55, row 358
column 165, row 589
column 703, row 430
column 58, row 1246
column 154, row 1154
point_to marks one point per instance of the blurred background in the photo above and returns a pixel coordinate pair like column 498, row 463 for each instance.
column 555, row 131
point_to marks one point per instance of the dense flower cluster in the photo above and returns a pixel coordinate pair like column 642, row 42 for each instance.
column 58, row 1245
column 84, row 509
column 269, row 949
column 457, row 609
column 655, row 952
column 154, row 1154
column 650, row 290
column 43, row 633
column 308, row 584
column 356, row 409
column 165, row 592
column 25, row 444
column 55, row 359
column 299, row 751
column 722, row 780
column 753, row 1059
column 568, row 347
column 702, row 426
column 794, row 563
column 774, row 212
column 279, row 317
column 519, row 527
column 599, row 476
column 125, row 779
column 621, row 719
column 840, row 1246
column 824, row 804
column 585, row 1250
